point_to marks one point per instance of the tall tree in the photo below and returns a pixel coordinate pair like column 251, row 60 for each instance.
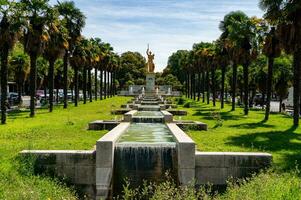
column 20, row 65
column 37, row 13
column 287, row 16
column 271, row 50
column 74, row 21
column 10, row 25
column 55, row 47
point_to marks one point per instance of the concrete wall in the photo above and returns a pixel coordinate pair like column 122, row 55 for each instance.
column 218, row 167
column 105, row 160
column 185, row 147
column 75, row 167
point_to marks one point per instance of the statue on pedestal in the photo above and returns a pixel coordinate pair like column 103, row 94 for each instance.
column 150, row 62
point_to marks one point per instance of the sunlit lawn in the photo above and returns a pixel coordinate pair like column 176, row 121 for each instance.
column 62, row 129
column 236, row 132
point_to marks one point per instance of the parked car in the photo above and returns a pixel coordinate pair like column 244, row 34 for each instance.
column 258, row 100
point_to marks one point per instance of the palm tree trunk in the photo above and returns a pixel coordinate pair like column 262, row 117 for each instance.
column 223, row 86
column 203, row 85
column 57, row 94
column 297, row 62
column 65, row 79
column 213, row 86
column 234, row 80
column 208, row 86
column 109, row 85
column 191, row 86
column 85, row 84
column 51, row 83
column 187, row 85
column 194, row 87
column 33, row 83
column 112, row 88
column 101, row 84
column 4, row 75
column 105, row 84
column 76, row 92
column 199, row 86
column 90, row 84
column 269, row 87
column 280, row 104
column 246, row 88
column 95, row 83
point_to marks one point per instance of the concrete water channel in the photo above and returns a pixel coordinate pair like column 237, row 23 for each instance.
column 146, row 144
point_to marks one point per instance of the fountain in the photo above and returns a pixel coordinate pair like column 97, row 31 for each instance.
column 144, row 156
column 143, row 91
column 157, row 91
column 131, row 90
column 144, row 146
column 169, row 91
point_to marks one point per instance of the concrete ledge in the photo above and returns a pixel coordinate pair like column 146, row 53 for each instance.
column 177, row 112
column 186, row 154
column 120, row 111
column 129, row 115
column 192, row 125
column 75, row 167
column 217, row 167
column 168, row 117
column 103, row 125
column 105, row 160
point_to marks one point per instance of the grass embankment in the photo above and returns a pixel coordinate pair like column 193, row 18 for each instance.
column 234, row 132
column 64, row 129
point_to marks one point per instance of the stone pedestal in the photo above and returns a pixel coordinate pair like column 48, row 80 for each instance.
column 150, row 82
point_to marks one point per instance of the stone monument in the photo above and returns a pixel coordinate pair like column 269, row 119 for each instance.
column 150, row 75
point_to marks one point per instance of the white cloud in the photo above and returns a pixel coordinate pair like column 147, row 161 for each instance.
column 168, row 25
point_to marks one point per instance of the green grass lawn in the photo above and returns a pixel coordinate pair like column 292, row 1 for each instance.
column 228, row 131
column 60, row 130
column 232, row 131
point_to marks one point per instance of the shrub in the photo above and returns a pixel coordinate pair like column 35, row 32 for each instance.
column 189, row 104
column 180, row 100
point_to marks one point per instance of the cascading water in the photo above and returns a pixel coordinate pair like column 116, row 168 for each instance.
column 145, row 151
column 148, row 117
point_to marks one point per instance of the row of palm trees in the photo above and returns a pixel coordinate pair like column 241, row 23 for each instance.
column 242, row 40
column 54, row 32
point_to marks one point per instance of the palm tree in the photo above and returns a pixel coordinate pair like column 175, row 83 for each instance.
column 20, row 65
column 271, row 50
column 55, row 47
column 37, row 12
column 242, row 34
column 222, row 62
column 287, row 16
column 10, row 24
column 224, row 26
column 77, row 61
column 74, row 21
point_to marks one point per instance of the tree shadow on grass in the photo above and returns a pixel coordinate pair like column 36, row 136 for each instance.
column 227, row 115
column 255, row 125
column 273, row 141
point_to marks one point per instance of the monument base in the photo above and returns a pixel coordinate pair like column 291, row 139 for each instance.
column 150, row 82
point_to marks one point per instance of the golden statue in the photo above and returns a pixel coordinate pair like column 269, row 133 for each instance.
column 150, row 62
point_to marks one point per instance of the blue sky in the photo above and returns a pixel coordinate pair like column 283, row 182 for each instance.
column 167, row 25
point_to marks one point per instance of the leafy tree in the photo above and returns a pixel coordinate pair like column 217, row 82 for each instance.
column 19, row 63
column 271, row 50
column 74, row 21
column 37, row 15
column 133, row 67
column 286, row 15
column 10, row 25
column 55, row 47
